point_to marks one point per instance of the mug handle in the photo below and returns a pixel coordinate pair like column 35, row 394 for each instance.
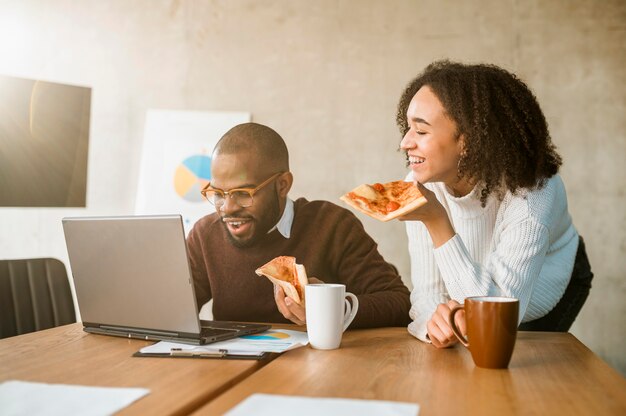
column 350, row 310
column 455, row 329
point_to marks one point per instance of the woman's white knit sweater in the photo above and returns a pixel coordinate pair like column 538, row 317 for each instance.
column 523, row 246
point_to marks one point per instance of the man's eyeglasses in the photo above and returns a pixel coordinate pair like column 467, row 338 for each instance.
column 244, row 197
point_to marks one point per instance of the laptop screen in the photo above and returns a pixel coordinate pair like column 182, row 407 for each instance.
column 132, row 272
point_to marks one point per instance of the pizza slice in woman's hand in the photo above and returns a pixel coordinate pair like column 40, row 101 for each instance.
column 284, row 272
column 385, row 201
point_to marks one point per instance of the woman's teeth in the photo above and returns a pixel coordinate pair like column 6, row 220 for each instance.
column 414, row 160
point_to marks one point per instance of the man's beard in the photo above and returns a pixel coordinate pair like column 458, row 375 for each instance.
column 262, row 227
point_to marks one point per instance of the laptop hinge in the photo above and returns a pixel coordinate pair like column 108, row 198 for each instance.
column 135, row 330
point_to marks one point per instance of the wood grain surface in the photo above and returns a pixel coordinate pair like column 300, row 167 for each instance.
column 68, row 355
column 550, row 373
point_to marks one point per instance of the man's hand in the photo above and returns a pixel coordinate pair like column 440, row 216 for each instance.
column 290, row 309
column 439, row 330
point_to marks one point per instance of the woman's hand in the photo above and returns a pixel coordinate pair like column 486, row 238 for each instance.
column 439, row 329
column 288, row 307
column 434, row 217
column 431, row 210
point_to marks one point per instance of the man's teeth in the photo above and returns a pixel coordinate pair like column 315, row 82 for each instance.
column 416, row 160
column 236, row 223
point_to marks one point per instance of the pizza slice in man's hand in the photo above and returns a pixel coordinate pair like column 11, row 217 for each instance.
column 284, row 272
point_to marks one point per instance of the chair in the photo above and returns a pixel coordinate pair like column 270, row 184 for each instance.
column 35, row 294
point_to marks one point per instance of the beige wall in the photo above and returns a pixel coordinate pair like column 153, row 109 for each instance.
column 327, row 75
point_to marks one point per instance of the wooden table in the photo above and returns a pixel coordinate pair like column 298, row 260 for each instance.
column 550, row 373
column 68, row 355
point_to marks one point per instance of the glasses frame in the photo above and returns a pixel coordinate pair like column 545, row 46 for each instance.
column 229, row 193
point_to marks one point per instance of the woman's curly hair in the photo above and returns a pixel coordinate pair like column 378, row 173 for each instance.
column 507, row 144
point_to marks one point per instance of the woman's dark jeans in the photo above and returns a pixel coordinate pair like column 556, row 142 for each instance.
column 561, row 318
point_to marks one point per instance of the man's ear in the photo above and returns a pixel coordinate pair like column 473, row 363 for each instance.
column 283, row 184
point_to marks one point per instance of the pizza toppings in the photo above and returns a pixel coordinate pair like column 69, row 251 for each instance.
column 285, row 272
column 392, row 206
column 385, row 201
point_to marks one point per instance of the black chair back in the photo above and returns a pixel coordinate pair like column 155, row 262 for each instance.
column 35, row 294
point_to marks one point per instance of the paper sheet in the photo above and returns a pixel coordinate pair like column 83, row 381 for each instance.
column 29, row 398
column 274, row 340
column 277, row 405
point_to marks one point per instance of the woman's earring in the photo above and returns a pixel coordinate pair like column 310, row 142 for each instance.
column 458, row 164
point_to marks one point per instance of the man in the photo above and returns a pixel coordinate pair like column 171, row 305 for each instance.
column 256, row 222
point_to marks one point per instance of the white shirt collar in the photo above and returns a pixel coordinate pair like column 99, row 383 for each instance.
column 286, row 220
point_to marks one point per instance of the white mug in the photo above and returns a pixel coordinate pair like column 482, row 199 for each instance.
column 328, row 314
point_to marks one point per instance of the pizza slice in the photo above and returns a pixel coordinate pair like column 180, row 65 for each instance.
column 385, row 201
column 284, row 272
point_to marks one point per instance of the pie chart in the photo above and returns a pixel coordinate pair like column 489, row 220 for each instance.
column 274, row 335
column 191, row 176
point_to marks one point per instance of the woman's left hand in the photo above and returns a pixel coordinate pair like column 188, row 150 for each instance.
column 431, row 210
column 439, row 329
column 434, row 217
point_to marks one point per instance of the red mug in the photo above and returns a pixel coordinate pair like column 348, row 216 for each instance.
column 491, row 323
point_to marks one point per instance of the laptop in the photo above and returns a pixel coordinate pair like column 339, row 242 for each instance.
column 132, row 279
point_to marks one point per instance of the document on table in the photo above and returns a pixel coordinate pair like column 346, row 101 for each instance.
column 16, row 398
column 274, row 340
column 277, row 405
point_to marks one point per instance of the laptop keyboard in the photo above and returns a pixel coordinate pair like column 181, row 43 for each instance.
column 208, row 331
column 228, row 329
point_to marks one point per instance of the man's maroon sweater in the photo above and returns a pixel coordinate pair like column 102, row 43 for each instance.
column 328, row 240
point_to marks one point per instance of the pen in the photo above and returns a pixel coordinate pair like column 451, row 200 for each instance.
column 179, row 352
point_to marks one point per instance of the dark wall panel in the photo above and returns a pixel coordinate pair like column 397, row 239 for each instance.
column 44, row 140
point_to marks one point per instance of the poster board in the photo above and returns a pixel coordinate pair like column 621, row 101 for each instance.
column 176, row 161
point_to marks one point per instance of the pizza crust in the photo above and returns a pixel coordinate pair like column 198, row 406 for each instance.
column 365, row 191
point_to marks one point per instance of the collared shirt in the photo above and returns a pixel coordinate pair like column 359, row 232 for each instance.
column 286, row 220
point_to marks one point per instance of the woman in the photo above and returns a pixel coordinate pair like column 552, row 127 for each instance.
column 496, row 221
